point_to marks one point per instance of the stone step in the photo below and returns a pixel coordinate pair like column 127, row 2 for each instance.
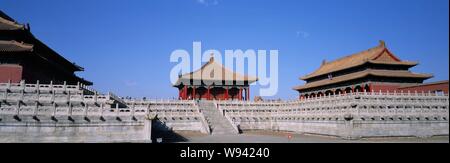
column 217, row 122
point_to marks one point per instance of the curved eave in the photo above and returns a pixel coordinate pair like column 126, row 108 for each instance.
column 249, row 81
column 10, row 25
column 404, row 63
column 15, row 47
column 86, row 82
column 59, row 58
column 362, row 75
column 78, row 68
column 312, row 75
column 82, row 80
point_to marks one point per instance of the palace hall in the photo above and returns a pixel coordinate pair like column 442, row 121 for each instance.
column 25, row 58
column 375, row 69
column 203, row 83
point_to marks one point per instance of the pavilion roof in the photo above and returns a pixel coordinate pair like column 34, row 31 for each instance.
column 362, row 74
column 215, row 68
column 14, row 46
column 377, row 55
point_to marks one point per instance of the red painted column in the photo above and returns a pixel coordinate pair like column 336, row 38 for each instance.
column 240, row 94
column 209, row 93
column 185, row 92
column 226, row 93
column 193, row 93
column 248, row 93
column 244, row 94
column 182, row 93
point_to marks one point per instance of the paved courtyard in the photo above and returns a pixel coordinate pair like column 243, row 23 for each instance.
column 276, row 137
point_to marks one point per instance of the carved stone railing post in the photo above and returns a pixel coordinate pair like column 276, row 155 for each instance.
column 51, row 86
column 18, row 108
column 147, row 129
column 22, row 85
column 53, row 97
column 37, row 87
column 35, row 109
column 117, row 112
column 133, row 108
column 5, row 95
column 8, row 87
column 86, row 108
column 69, row 111
column 78, row 86
column 65, row 87
column 95, row 97
column 101, row 110
column 54, row 110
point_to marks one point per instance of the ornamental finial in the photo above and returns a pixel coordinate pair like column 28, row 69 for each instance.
column 211, row 59
column 382, row 43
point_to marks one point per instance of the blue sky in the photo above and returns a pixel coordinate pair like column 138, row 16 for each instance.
column 125, row 46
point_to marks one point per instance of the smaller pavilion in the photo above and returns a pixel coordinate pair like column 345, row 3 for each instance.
column 214, row 82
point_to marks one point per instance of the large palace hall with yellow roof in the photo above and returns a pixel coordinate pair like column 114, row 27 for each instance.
column 375, row 69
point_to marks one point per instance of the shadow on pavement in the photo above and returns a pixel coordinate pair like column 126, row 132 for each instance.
column 161, row 133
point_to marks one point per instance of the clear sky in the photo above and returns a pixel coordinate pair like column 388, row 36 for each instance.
column 125, row 46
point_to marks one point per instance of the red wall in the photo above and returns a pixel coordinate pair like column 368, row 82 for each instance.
column 384, row 88
column 10, row 72
column 428, row 87
column 420, row 88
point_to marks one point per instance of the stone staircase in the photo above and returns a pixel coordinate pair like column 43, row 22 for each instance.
column 217, row 122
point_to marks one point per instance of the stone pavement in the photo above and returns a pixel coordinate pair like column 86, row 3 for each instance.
column 260, row 137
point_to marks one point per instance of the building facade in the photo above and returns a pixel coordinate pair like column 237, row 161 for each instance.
column 214, row 82
column 376, row 69
column 25, row 58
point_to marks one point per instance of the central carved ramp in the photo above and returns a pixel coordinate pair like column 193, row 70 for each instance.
column 216, row 121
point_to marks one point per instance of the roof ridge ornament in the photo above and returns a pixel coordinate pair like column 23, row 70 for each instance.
column 324, row 62
column 211, row 58
column 382, row 44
